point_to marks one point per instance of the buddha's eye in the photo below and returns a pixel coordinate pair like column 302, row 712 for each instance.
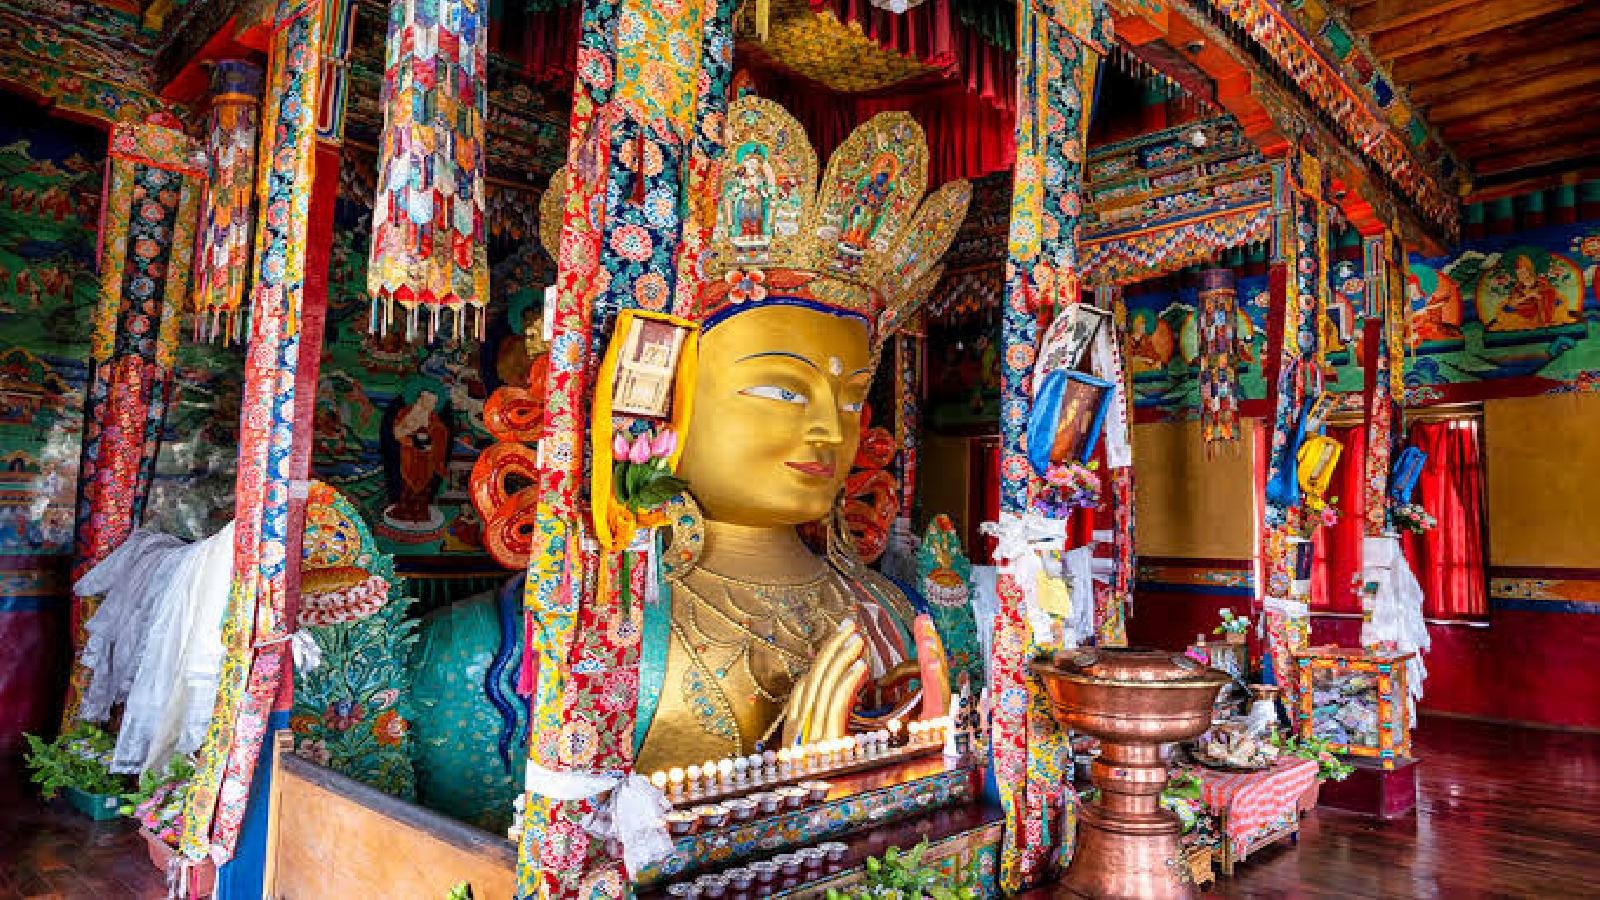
column 774, row 392
column 852, row 407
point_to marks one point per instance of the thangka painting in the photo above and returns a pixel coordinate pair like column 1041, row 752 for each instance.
column 50, row 174
column 399, row 423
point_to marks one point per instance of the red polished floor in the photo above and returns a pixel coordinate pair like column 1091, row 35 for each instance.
column 1503, row 812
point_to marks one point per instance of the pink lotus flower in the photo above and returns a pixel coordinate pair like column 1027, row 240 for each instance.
column 619, row 446
column 665, row 443
column 639, row 453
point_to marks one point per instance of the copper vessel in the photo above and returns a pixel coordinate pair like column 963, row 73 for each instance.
column 1133, row 701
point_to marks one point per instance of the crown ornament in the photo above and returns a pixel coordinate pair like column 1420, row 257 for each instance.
column 863, row 241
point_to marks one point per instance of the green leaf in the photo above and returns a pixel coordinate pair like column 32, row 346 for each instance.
column 658, row 492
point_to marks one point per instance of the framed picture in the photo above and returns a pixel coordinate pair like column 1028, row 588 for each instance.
column 647, row 368
column 1068, row 413
column 1068, row 339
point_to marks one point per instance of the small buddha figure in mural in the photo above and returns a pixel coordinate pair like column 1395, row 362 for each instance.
column 416, row 438
column 749, row 209
column 872, row 194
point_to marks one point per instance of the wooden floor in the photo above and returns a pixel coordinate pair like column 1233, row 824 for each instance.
column 1503, row 813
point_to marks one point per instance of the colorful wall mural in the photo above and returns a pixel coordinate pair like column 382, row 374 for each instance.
column 50, row 174
column 1507, row 316
column 398, row 424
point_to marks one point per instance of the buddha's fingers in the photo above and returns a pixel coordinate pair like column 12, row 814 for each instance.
column 844, row 699
column 811, row 686
column 832, row 683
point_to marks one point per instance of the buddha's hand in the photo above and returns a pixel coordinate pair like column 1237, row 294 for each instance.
column 819, row 706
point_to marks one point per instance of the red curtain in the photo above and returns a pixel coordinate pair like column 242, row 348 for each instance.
column 1338, row 549
column 1448, row 560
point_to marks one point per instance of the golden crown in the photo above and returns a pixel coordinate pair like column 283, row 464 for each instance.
column 863, row 241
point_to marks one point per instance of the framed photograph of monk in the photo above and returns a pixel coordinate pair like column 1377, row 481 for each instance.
column 647, row 368
column 1069, row 410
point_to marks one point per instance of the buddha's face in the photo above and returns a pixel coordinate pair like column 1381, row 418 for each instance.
column 777, row 415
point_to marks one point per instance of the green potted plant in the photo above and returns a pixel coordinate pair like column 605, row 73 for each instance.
column 78, row 764
column 1232, row 627
column 904, row 876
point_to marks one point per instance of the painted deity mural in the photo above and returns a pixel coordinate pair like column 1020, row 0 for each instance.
column 399, row 423
column 50, row 175
column 1505, row 316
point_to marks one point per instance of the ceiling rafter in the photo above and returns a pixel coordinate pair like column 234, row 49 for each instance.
column 1445, row 29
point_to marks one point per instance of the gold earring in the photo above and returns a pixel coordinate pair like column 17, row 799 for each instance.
column 686, row 536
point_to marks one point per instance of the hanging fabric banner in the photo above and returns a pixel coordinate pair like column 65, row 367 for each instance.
column 222, row 261
column 154, row 181
column 429, row 250
column 644, row 146
column 1379, row 406
column 255, row 633
column 1286, row 545
column 1114, row 519
column 1219, row 379
column 1058, row 47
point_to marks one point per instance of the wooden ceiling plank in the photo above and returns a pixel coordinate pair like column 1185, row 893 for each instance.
column 1519, row 118
column 1548, row 133
column 1566, row 36
column 1562, row 83
column 1494, row 72
column 1387, row 15
column 1452, row 28
column 1531, row 157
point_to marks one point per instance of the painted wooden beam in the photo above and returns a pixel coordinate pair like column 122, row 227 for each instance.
column 1446, row 29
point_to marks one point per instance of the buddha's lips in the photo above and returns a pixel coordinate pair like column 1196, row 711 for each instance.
column 814, row 469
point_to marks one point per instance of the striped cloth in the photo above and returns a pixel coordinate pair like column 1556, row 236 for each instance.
column 1246, row 802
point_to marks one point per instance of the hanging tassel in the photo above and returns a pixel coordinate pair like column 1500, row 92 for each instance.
column 763, row 19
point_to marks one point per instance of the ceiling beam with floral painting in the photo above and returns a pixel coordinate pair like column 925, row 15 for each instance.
column 89, row 61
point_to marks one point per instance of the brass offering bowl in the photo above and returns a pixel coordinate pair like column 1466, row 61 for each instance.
column 1133, row 701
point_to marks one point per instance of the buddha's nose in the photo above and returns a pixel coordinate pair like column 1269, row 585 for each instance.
column 823, row 425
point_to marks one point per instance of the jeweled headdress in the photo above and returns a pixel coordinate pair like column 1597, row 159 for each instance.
column 864, row 241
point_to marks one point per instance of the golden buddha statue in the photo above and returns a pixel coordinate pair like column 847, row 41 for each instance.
column 765, row 639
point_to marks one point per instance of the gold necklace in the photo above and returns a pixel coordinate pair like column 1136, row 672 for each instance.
column 794, row 664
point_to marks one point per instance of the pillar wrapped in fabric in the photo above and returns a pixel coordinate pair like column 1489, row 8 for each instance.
column 222, row 261
column 154, row 174
column 429, row 254
column 1058, row 49
column 1219, row 381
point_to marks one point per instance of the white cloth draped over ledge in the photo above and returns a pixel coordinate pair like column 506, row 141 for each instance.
column 1020, row 541
column 1396, row 609
column 155, row 644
